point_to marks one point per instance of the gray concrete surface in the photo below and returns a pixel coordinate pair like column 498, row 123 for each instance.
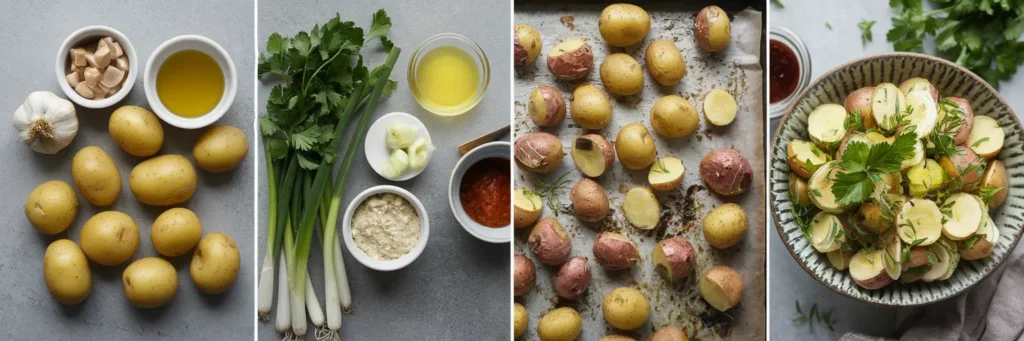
column 830, row 48
column 224, row 202
column 459, row 288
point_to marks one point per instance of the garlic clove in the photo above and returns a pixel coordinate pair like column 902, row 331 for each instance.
column 98, row 93
column 84, row 90
column 78, row 56
column 90, row 59
column 121, row 63
column 118, row 52
column 112, row 77
column 103, row 56
column 72, row 79
column 92, row 76
column 114, row 90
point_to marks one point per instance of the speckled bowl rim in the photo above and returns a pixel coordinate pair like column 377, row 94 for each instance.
column 800, row 98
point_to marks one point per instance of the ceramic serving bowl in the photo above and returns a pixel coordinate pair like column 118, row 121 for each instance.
column 204, row 45
column 952, row 81
column 498, row 149
column 385, row 265
column 90, row 34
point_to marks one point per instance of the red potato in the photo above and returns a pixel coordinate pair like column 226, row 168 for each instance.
column 571, row 59
column 589, row 202
column 981, row 249
column 726, row 172
column 963, row 107
column 918, row 257
column 995, row 177
column 549, row 242
column 964, row 165
column 592, row 154
column 859, row 101
column 868, row 269
column 614, row 251
column 674, row 259
column 712, row 29
column 538, row 152
column 526, row 44
column 572, row 278
column 524, row 275
column 669, row 333
column 546, row 106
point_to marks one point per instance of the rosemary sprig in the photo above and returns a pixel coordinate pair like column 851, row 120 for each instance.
column 827, row 318
column 552, row 192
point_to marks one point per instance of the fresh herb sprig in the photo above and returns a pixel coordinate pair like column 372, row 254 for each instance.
column 862, row 165
column 551, row 192
column 865, row 31
column 942, row 136
column 827, row 318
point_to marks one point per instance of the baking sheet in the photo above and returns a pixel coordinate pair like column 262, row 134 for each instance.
column 738, row 70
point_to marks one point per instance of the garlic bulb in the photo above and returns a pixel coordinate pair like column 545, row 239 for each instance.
column 46, row 122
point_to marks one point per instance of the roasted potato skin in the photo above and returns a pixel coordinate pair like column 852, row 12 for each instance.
column 681, row 257
column 859, row 101
column 712, row 29
column 799, row 191
column 525, row 275
column 614, row 251
column 635, row 147
column 625, row 308
column 549, row 242
column 538, row 152
column 607, row 150
column 673, row 116
column 546, row 106
column 572, row 65
column 589, row 202
column 959, row 166
column 572, row 279
column 964, row 131
column 995, row 177
column 526, row 44
column 725, row 226
column 726, row 172
column 561, row 324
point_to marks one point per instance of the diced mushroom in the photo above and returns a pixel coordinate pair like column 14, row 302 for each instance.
column 118, row 52
column 84, row 90
column 112, row 76
column 80, row 70
column 90, row 58
column 103, row 56
column 121, row 63
column 78, row 56
column 92, row 76
column 72, row 79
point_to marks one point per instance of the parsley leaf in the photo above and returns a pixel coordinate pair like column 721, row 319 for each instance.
column 865, row 31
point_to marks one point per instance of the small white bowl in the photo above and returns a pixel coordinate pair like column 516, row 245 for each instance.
column 498, row 149
column 85, row 35
column 376, row 148
column 202, row 44
column 385, row 265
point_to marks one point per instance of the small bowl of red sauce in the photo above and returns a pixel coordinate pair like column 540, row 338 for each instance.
column 480, row 192
column 789, row 69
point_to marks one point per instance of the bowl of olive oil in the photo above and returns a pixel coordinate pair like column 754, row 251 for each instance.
column 448, row 74
column 190, row 81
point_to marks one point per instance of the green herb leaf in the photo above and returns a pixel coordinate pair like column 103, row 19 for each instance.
column 865, row 31
column 778, row 3
column 979, row 142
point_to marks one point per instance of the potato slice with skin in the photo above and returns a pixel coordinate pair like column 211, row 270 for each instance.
column 960, row 107
column 666, row 174
column 868, row 138
column 995, row 178
column 642, row 208
column 887, row 101
column 528, row 207
column 826, row 232
column 840, row 259
column 546, row 106
column 941, row 265
column 798, row 190
column 987, row 236
column 571, row 59
column 919, row 84
column 820, row 185
column 804, row 157
column 859, row 102
column 721, row 287
column 825, row 125
column 963, row 216
column 719, row 107
column 986, row 137
column 913, row 274
column 892, row 256
column 868, row 270
column 673, row 259
column 924, row 115
column 592, row 154
column 917, row 158
column 919, row 219
column 925, row 177
column 963, row 165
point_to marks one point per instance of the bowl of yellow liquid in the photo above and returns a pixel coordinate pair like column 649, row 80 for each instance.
column 190, row 81
column 448, row 74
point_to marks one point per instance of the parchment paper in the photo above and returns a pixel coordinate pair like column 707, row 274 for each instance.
column 736, row 70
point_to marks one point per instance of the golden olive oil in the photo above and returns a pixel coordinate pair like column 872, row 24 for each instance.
column 190, row 83
column 447, row 78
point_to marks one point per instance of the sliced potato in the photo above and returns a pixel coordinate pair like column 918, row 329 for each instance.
column 919, row 84
column 570, row 59
column 986, row 137
column 887, row 101
column 666, row 174
column 826, row 125
column 940, row 260
column 840, row 259
column 859, row 102
column 820, row 185
column 962, row 108
column 804, row 157
column 826, row 232
column 919, row 219
column 914, row 274
column 592, row 154
column 964, row 166
column 642, row 208
column 995, row 179
column 719, row 107
column 917, row 158
column 987, row 236
column 799, row 193
column 868, row 138
column 868, row 269
column 962, row 216
column 892, row 256
column 721, row 287
column 925, row 177
column 528, row 207
column 924, row 114
column 869, row 217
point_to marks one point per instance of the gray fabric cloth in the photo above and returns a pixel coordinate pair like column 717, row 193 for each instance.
column 991, row 311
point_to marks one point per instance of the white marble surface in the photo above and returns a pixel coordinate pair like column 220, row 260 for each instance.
column 788, row 282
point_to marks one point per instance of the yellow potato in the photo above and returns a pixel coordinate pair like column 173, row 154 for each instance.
column 635, row 147
column 215, row 263
column 712, row 29
column 562, row 324
column 725, row 226
column 625, row 308
column 51, row 207
column 109, row 238
column 590, row 107
column 175, row 232
column 150, row 282
column 136, row 130
column 96, row 176
column 521, row 319
column 673, row 116
column 623, row 24
column 622, row 75
column 721, row 287
column 664, row 62
column 66, row 272
column 164, row 180
column 220, row 148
